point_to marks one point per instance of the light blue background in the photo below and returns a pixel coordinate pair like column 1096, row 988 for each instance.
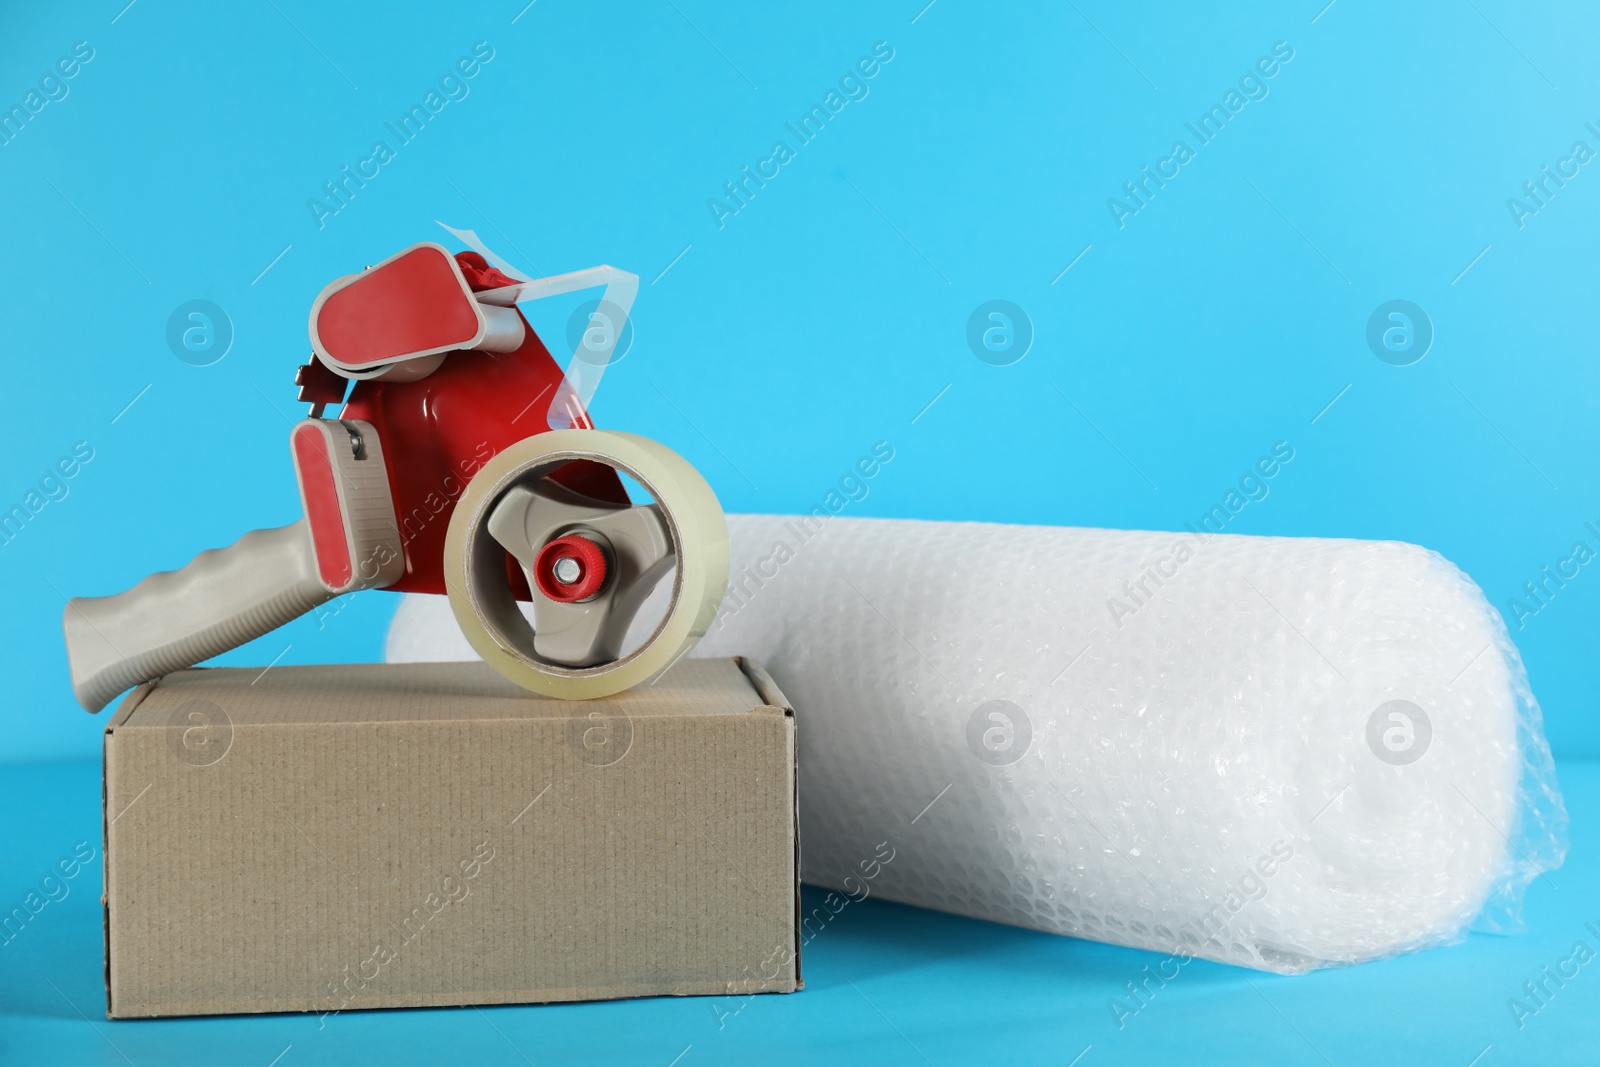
column 831, row 310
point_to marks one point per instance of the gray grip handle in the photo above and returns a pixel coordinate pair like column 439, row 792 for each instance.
column 175, row 619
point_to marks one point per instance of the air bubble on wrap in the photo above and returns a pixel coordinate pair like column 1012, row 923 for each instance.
column 1178, row 749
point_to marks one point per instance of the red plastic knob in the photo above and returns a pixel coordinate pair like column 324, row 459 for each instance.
column 570, row 569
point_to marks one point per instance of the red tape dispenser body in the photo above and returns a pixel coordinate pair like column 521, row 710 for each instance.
column 463, row 462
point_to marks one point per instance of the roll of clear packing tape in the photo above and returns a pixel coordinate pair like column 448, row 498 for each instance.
column 1282, row 753
column 487, row 614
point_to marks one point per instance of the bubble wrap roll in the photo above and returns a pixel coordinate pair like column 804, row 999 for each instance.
column 1281, row 753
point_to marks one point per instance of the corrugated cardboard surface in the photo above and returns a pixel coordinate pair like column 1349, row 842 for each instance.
column 399, row 835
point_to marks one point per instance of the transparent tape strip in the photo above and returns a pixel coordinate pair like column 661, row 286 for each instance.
column 587, row 364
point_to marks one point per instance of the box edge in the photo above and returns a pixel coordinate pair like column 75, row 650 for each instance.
column 125, row 710
column 768, row 690
column 762, row 683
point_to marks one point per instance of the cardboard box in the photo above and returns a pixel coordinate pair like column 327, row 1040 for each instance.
column 402, row 835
